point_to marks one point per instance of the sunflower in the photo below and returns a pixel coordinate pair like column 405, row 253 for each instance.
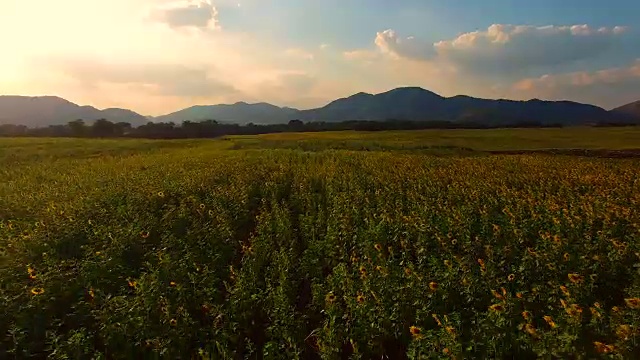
column 173, row 284
column 496, row 308
column 37, row 291
column 161, row 194
column 132, row 283
column 144, row 234
column 497, row 295
column 447, row 263
column 408, row 271
column 565, row 291
column 363, row 271
column 575, row 278
column 173, row 322
column 415, row 332
column 566, row 257
column 92, row 294
column 603, row 348
column 202, row 206
column 451, row 330
column 433, row 286
column 550, row 321
column 633, row 303
column 360, row 299
column 519, row 295
column 378, row 247
column 526, row 315
column 511, row 277
column 330, row 298
column 624, row 331
column 574, row 310
column 435, row 317
column 530, row 329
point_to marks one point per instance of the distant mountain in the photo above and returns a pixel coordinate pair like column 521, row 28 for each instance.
column 51, row 110
column 417, row 104
column 632, row 110
column 240, row 112
column 407, row 103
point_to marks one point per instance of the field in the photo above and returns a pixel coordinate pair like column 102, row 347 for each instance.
column 426, row 244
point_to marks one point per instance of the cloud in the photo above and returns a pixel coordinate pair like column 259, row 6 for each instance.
column 507, row 49
column 200, row 14
column 609, row 87
column 299, row 54
column 390, row 43
column 360, row 55
column 158, row 79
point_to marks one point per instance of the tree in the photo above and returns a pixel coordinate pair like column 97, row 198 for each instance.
column 77, row 128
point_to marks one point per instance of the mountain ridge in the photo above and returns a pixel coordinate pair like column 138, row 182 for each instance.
column 403, row 103
column 42, row 111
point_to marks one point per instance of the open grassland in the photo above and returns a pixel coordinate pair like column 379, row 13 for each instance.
column 251, row 247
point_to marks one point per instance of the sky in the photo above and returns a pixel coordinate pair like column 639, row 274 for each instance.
column 158, row 56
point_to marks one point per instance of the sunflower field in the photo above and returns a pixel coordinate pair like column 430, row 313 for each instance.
column 221, row 249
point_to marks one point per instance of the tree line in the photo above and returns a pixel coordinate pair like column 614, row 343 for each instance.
column 103, row 128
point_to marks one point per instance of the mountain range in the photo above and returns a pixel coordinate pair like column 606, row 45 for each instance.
column 407, row 103
column 51, row 110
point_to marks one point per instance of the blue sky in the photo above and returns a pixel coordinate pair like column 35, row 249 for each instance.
column 155, row 56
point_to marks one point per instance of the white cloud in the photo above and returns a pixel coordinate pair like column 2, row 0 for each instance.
column 390, row 43
column 609, row 87
column 158, row 78
column 507, row 49
column 299, row 54
column 200, row 14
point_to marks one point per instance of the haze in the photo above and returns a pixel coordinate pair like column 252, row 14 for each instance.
column 158, row 56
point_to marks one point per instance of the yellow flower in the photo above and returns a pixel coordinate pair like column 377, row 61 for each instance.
column 624, row 332
column 433, row 286
column 575, row 278
column 378, row 247
column 161, row 194
column 92, row 294
column 144, row 234
column 37, row 291
column 511, row 277
column 566, row 257
column 330, row 298
column 408, row 271
column 519, row 295
column 415, row 331
column 496, row 308
column 173, row 284
column 565, row 291
column 530, row 329
column 360, row 299
column 173, row 322
column 132, row 283
column 451, row 330
column 497, row 295
column 526, row 315
column 447, row 263
column 574, row 310
column 603, row 348
column 633, row 303
column 549, row 321
column 435, row 317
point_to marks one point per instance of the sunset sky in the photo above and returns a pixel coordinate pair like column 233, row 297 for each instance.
column 156, row 56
